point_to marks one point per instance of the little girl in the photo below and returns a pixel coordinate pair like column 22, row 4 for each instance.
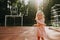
column 40, row 19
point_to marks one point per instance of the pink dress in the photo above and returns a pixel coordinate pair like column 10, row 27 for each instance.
column 41, row 28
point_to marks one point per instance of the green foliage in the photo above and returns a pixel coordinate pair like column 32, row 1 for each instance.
column 14, row 1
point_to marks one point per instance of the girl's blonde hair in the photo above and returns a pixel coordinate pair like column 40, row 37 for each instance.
column 39, row 12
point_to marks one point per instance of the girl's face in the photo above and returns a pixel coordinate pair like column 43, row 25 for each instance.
column 39, row 15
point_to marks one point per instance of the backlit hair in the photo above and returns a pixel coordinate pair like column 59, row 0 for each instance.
column 39, row 12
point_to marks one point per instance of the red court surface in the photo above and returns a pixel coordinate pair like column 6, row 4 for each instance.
column 27, row 33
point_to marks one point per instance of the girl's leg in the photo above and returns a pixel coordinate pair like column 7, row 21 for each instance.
column 38, row 38
column 42, row 38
